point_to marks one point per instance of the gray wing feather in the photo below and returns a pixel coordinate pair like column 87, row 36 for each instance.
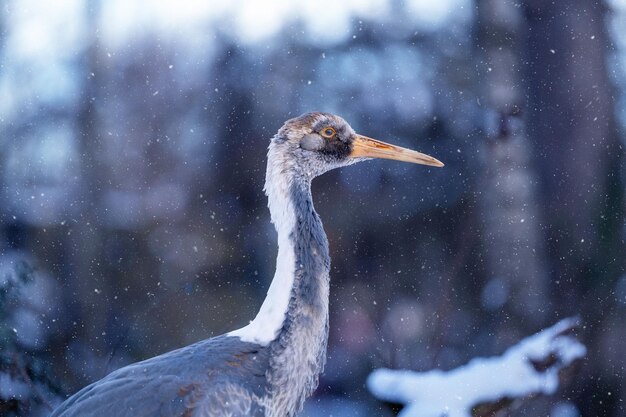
column 222, row 376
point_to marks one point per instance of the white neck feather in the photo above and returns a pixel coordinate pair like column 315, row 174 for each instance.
column 267, row 324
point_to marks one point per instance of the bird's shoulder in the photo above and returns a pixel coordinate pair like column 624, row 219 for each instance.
column 197, row 380
column 219, row 353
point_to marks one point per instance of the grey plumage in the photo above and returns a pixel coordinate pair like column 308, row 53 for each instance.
column 298, row 354
column 185, row 382
column 268, row 368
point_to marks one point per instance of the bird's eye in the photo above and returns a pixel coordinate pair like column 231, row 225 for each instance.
column 328, row 132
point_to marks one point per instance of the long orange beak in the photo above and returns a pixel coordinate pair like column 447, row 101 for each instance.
column 364, row 147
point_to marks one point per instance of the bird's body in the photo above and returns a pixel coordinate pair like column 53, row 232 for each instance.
column 175, row 384
column 270, row 366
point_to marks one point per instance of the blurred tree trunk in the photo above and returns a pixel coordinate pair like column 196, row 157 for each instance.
column 575, row 140
column 573, row 132
column 85, row 237
column 3, row 129
column 515, row 258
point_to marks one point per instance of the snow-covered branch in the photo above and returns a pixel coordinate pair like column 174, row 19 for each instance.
column 530, row 367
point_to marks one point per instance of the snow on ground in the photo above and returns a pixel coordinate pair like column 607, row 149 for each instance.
column 482, row 380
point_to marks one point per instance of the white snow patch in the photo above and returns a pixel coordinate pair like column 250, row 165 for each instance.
column 12, row 388
column 482, row 380
column 434, row 14
column 564, row 409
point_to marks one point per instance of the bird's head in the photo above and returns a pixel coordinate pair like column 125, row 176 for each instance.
column 318, row 142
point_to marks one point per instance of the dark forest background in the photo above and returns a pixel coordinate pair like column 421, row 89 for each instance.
column 132, row 160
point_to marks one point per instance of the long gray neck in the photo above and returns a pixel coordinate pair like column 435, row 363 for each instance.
column 298, row 353
column 293, row 320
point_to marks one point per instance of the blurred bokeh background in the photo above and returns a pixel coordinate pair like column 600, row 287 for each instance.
column 132, row 158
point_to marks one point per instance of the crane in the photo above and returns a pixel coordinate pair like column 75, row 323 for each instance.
column 270, row 366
